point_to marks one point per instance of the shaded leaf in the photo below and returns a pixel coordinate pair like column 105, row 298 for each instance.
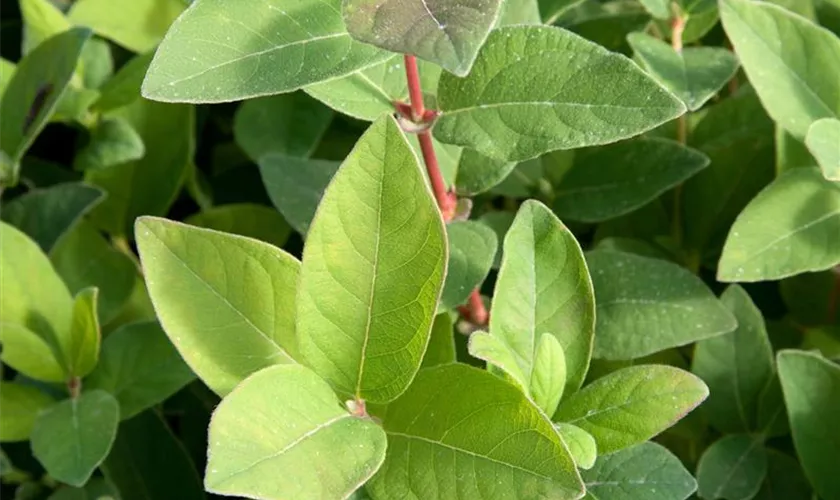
column 113, row 142
column 732, row 468
column 441, row 349
column 472, row 247
column 21, row 405
column 124, row 87
column 499, row 222
column 478, row 173
column 245, row 219
column 784, row 479
column 823, row 140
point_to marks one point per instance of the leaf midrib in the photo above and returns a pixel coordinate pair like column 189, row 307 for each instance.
column 589, row 416
column 553, row 104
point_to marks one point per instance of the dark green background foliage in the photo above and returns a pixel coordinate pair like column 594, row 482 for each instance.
column 230, row 266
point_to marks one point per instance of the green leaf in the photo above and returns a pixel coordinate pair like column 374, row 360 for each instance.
column 73, row 437
column 21, row 406
column 648, row 305
column 783, row 231
column 245, row 219
column 97, row 64
column 225, row 301
column 441, row 349
column 296, row 185
column 30, row 353
column 646, row 471
column 811, row 386
column 737, row 366
column 447, row 34
column 544, row 287
column 529, row 83
column 373, row 269
column 138, row 25
column 289, row 124
column 551, row 10
column 519, row 12
column 548, row 380
column 694, row 74
column 784, row 479
column 112, row 142
column 45, row 215
column 732, row 468
column 124, row 87
column 499, row 222
column 478, row 173
column 326, row 451
column 140, row 367
column 493, row 444
column 217, row 52
column 632, row 405
column 793, row 63
column 496, row 352
column 580, row 444
column 614, row 180
column 472, row 246
column 42, row 20
column 823, row 141
column 81, row 349
column 660, row 9
column 606, row 23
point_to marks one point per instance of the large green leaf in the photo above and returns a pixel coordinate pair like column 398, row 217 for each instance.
column 536, row 89
column 732, row 468
column 73, row 437
column 694, row 74
column 217, row 51
column 245, row 219
column 793, row 63
column 823, row 142
column 631, row 405
column 544, row 287
column 614, row 180
column 737, row 366
column 785, row 230
column 646, row 471
column 493, row 444
column 648, row 305
column 446, row 33
column 21, row 405
column 323, row 450
column 138, row 25
column 811, row 386
column 140, row 367
column 478, row 173
column 112, row 142
column 373, row 269
column 472, row 246
column 226, row 301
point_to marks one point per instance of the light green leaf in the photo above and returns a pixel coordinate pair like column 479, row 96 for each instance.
column 478, row 173
column 41, row 21
column 289, row 124
column 112, row 142
column 296, row 185
column 732, row 468
column 811, row 386
column 30, row 353
column 138, row 25
column 737, row 366
column 515, row 12
column 325, row 451
column 784, row 230
column 441, row 349
column 45, row 215
column 694, row 74
column 529, row 83
column 648, row 305
column 81, row 347
column 495, row 352
column 493, row 444
column 551, row 10
column 544, row 287
column 823, row 141
column 472, row 246
column 7, row 69
column 245, row 219
column 632, row 405
column 793, row 63
column 73, row 437
column 225, row 301
column 140, row 367
column 580, row 444
column 124, row 87
column 373, row 269
column 548, row 380
column 614, row 180
column 21, row 405
column 646, row 471
column 784, row 479
column 660, row 9
column 217, row 51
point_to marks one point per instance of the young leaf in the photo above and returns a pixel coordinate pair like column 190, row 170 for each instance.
column 548, row 380
column 811, row 386
column 648, row 305
column 225, row 301
column 373, row 269
column 113, row 142
column 138, row 25
column 631, row 405
column 614, row 180
column 478, row 173
column 245, row 219
column 786, row 55
column 823, row 141
column 497, row 353
column 732, row 468
column 544, row 287
column 529, row 83
column 81, row 349
column 21, row 405
column 647, row 470
column 580, row 444
column 446, row 33
column 124, row 88
column 472, row 246
column 737, row 366
column 660, row 9
column 140, row 367
column 325, row 451
column 441, row 348
column 283, row 45
column 783, row 231
column 73, row 437
column 694, row 74
column 493, row 444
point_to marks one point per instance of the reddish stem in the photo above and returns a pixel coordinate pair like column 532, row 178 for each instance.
column 478, row 312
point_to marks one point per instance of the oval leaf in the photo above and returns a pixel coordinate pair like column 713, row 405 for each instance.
column 580, row 443
column 823, row 141
column 472, row 246
column 732, row 468
column 548, row 380
column 81, row 349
